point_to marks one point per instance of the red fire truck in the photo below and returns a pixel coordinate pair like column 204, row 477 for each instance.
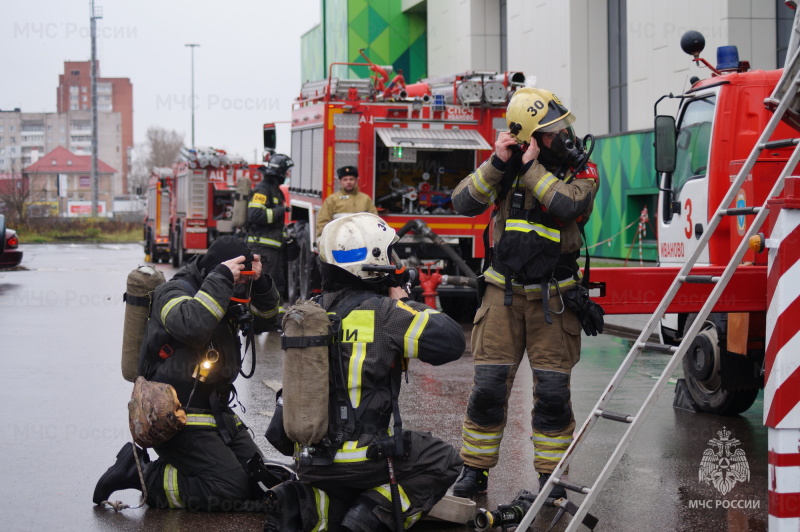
column 191, row 204
column 412, row 145
column 698, row 156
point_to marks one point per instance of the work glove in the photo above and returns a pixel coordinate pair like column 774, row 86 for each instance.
column 590, row 314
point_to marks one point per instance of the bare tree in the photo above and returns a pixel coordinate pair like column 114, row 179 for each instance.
column 15, row 193
column 139, row 173
column 164, row 147
column 161, row 149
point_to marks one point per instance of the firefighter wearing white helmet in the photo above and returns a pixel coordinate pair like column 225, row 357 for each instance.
column 343, row 482
column 543, row 185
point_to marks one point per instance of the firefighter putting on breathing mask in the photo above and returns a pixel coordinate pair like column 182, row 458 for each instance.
column 361, row 472
column 541, row 186
column 192, row 348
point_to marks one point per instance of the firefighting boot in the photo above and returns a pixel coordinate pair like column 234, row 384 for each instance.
column 284, row 504
column 471, row 482
column 361, row 518
column 123, row 475
column 558, row 492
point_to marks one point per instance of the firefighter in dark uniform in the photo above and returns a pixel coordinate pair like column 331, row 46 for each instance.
column 193, row 320
column 265, row 216
column 542, row 186
column 347, row 486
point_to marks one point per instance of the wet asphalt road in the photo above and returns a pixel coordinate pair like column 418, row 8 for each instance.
column 64, row 416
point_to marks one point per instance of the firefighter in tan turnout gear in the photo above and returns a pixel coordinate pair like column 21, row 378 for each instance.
column 542, row 185
column 345, row 482
column 348, row 199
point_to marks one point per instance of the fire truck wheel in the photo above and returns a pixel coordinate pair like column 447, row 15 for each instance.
column 701, row 369
column 298, row 277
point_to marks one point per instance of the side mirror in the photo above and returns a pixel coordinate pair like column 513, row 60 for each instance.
column 270, row 139
column 665, row 150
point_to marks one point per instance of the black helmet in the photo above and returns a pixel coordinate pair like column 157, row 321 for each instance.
column 278, row 164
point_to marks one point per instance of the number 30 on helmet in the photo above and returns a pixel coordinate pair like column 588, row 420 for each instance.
column 531, row 110
column 357, row 239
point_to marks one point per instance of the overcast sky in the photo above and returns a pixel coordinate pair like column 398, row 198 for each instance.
column 247, row 68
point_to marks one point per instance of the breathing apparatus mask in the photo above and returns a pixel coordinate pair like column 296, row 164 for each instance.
column 397, row 274
column 565, row 150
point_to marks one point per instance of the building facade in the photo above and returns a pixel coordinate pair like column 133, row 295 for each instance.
column 609, row 61
column 26, row 137
column 114, row 95
column 60, row 184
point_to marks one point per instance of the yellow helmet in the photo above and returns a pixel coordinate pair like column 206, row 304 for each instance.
column 532, row 110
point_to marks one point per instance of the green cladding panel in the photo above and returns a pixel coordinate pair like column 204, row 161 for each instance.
column 627, row 185
column 380, row 27
column 389, row 37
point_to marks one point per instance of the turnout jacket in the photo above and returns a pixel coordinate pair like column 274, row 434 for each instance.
column 377, row 334
column 340, row 203
column 189, row 316
column 568, row 200
column 265, row 213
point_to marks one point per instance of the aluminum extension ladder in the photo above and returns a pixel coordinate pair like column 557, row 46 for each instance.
column 791, row 89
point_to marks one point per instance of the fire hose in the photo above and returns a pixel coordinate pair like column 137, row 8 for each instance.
column 419, row 227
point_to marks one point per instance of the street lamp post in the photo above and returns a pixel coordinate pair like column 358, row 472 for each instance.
column 192, row 46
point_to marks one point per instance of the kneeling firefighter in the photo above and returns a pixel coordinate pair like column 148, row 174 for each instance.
column 360, row 474
column 541, row 185
column 192, row 344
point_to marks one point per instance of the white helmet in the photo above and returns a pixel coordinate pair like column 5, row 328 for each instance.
column 354, row 240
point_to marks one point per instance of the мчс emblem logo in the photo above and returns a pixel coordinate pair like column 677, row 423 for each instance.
column 723, row 466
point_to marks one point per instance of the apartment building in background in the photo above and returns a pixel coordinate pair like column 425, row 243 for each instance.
column 114, row 95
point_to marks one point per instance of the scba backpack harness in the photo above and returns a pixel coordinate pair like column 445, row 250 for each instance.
column 529, row 251
column 316, row 413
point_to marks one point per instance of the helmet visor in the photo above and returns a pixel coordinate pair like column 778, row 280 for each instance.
column 557, row 118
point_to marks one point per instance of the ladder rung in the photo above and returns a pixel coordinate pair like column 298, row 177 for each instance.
column 663, row 348
column 614, row 416
column 700, row 279
column 776, row 144
column 740, row 210
column 572, row 487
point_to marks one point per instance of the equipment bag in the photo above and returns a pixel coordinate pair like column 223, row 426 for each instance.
column 154, row 413
column 142, row 282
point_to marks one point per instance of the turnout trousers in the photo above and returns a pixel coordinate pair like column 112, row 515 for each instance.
column 500, row 337
column 423, row 477
column 197, row 470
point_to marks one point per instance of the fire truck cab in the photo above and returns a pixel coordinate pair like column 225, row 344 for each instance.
column 698, row 155
column 412, row 146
